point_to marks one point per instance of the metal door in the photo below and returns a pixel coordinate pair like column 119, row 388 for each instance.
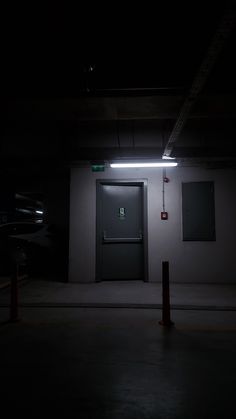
column 120, row 231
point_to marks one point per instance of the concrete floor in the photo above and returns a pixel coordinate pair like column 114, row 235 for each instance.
column 114, row 363
column 122, row 294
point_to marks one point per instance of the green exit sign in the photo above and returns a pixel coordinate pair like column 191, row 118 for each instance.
column 98, row 168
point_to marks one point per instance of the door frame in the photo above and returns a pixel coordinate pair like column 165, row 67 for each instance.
column 129, row 182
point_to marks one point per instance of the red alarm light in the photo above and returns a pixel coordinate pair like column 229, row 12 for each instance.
column 164, row 215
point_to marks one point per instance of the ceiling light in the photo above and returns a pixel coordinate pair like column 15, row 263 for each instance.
column 142, row 164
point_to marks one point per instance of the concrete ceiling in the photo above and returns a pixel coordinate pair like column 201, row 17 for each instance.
column 80, row 88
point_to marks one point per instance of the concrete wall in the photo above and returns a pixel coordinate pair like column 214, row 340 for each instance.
column 199, row 262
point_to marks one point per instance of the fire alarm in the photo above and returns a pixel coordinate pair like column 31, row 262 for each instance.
column 164, row 215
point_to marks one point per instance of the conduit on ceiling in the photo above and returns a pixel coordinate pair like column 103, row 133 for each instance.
column 226, row 26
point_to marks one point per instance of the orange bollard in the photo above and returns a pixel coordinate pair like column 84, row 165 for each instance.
column 166, row 321
column 14, row 294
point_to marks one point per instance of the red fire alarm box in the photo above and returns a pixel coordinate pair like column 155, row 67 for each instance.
column 164, row 215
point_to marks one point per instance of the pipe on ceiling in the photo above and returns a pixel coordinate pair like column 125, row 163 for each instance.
column 224, row 29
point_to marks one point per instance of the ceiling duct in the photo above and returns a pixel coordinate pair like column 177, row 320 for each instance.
column 226, row 25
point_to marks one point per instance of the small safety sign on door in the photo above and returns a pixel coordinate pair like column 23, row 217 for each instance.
column 122, row 213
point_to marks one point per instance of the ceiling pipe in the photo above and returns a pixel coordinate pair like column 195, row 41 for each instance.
column 226, row 25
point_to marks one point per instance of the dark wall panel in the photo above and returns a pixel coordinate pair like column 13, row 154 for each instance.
column 198, row 211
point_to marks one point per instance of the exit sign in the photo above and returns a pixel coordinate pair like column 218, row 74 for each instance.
column 98, row 168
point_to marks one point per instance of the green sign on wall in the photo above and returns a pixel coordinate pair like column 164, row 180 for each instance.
column 98, row 168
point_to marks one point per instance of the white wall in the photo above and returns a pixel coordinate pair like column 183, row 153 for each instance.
column 205, row 262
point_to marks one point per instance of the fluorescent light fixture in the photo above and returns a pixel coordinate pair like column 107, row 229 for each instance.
column 39, row 212
column 142, row 164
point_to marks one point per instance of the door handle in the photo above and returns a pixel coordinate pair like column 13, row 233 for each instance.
column 106, row 239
